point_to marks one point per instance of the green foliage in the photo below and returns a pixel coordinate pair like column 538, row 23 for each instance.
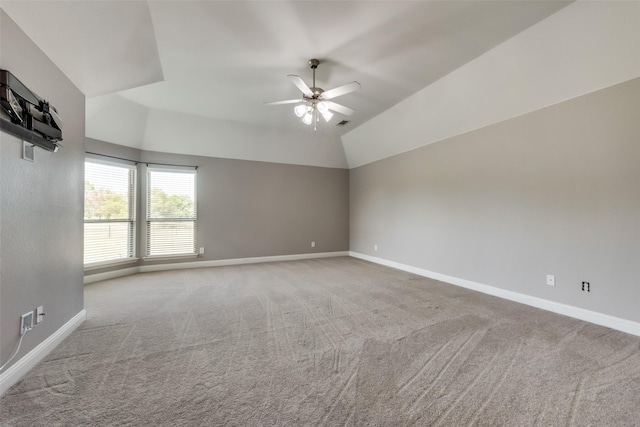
column 101, row 203
column 170, row 206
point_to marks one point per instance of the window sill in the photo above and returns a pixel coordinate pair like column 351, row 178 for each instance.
column 105, row 264
column 169, row 257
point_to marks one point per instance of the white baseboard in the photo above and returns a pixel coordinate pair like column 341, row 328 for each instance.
column 200, row 264
column 98, row 277
column 238, row 261
column 31, row 359
column 601, row 319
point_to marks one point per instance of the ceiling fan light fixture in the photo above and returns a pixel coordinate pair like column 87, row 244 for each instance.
column 300, row 110
column 308, row 118
column 322, row 107
column 326, row 114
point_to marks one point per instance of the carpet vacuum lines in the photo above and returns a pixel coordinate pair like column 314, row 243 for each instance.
column 333, row 341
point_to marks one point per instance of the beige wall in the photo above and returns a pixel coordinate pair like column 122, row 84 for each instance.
column 41, row 209
column 254, row 209
column 556, row 191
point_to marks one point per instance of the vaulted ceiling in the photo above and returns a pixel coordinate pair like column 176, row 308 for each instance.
column 192, row 76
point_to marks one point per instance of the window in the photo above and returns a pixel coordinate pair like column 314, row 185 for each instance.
column 171, row 211
column 109, row 212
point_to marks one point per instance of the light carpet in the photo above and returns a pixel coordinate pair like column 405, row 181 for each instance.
column 335, row 342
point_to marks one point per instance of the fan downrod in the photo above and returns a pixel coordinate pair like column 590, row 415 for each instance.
column 313, row 63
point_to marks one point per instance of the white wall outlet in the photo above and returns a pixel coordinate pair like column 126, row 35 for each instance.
column 201, row 251
column 313, row 244
column 26, row 322
column 551, row 280
column 39, row 314
column 375, row 247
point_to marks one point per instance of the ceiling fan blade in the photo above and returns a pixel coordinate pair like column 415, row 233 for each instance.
column 296, row 80
column 341, row 90
column 288, row 101
column 340, row 108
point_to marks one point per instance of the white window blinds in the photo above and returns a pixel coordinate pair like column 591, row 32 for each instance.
column 171, row 211
column 109, row 212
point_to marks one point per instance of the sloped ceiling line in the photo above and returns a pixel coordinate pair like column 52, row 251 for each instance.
column 585, row 47
column 214, row 64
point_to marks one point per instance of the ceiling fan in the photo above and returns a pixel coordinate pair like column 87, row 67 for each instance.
column 315, row 101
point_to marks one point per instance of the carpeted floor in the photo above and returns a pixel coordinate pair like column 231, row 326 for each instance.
column 323, row 342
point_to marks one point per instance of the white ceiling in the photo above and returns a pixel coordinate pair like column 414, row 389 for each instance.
column 221, row 60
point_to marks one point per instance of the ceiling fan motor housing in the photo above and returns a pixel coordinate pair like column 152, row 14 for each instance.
column 316, row 93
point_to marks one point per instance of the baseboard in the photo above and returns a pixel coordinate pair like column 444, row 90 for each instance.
column 98, row 277
column 201, row 264
column 601, row 319
column 238, row 261
column 31, row 359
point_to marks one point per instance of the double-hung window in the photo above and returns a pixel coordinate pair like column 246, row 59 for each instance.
column 109, row 212
column 171, row 211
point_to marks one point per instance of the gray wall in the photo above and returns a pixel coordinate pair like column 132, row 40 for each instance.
column 556, row 191
column 41, row 205
column 254, row 209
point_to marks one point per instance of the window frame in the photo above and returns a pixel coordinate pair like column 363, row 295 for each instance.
column 190, row 170
column 132, row 229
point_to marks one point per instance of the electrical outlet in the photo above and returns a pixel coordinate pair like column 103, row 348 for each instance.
column 551, row 280
column 39, row 314
column 586, row 287
column 201, row 251
column 313, row 244
column 26, row 322
column 375, row 247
